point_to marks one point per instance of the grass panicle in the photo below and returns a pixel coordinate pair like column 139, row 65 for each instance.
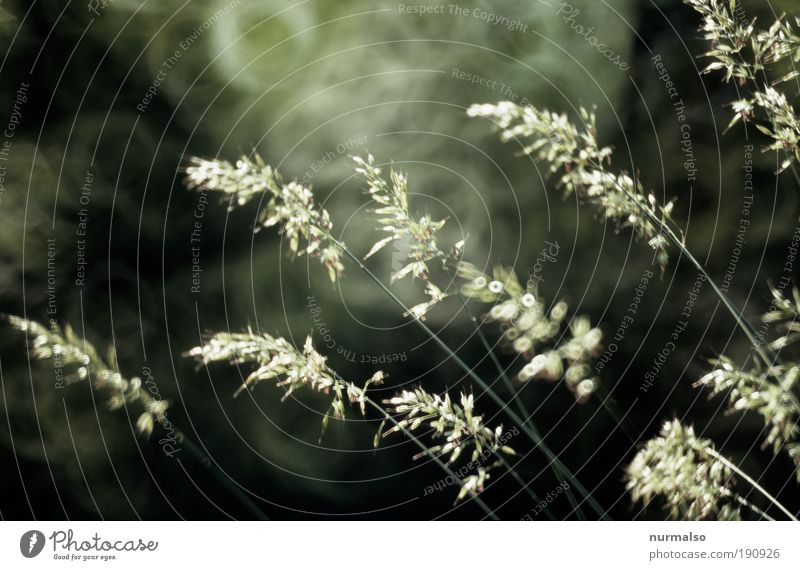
column 276, row 359
column 457, row 424
column 766, row 393
column 575, row 155
column 746, row 54
column 288, row 205
column 532, row 332
column 76, row 360
column 519, row 310
column 417, row 234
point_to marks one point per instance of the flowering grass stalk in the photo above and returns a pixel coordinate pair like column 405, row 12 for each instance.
column 767, row 391
column 519, row 310
column 577, row 156
column 289, row 205
column 527, row 327
column 401, row 227
column 677, row 466
column 786, row 315
column 388, row 418
column 521, row 408
column 745, row 54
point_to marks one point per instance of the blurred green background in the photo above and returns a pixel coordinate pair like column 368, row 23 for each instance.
column 128, row 91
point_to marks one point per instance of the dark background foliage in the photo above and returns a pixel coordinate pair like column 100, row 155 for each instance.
column 297, row 81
